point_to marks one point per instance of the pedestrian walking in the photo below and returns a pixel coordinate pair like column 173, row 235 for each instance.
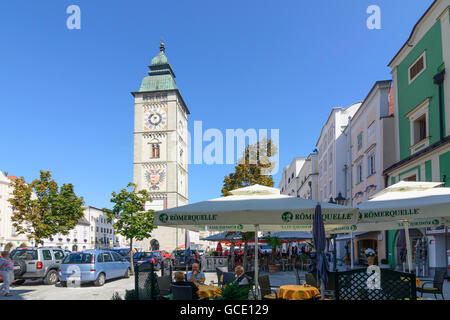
column 6, row 272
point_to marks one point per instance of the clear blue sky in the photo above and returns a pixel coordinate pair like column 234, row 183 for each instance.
column 65, row 94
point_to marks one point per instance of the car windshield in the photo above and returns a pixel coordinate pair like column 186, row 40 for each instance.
column 156, row 254
column 78, row 258
column 123, row 252
column 24, row 254
column 181, row 253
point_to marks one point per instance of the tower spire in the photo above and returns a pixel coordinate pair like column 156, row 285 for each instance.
column 161, row 46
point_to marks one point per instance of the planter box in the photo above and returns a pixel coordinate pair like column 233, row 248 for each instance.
column 274, row 268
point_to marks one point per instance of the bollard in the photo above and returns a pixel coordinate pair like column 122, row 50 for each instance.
column 136, row 281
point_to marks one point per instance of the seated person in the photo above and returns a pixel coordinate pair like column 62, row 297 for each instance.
column 180, row 280
column 241, row 278
column 196, row 275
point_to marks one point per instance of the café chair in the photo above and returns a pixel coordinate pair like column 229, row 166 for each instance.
column 227, row 278
column 181, row 292
column 298, row 280
column 438, row 283
column 330, row 287
column 267, row 293
column 164, row 284
column 311, row 280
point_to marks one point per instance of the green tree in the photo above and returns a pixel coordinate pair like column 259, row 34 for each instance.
column 42, row 210
column 131, row 220
column 253, row 168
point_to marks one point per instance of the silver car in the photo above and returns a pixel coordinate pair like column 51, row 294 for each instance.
column 37, row 263
column 95, row 266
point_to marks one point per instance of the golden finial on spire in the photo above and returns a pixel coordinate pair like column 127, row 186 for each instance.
column 161, row 45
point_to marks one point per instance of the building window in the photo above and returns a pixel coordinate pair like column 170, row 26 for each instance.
column 417, row 68
column 331, row 187
column 371, row 131
column 155, row 150
column 371, row 165
column 358, row 173
column 420, row 129
column 359, row 141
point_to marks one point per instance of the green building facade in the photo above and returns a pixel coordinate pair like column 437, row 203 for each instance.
column 421, row 93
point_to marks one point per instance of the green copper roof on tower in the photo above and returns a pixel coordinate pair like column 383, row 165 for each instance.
column 161, row 58
column 161, row 76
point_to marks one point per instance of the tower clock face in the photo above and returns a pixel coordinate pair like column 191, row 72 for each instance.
column 156, row 118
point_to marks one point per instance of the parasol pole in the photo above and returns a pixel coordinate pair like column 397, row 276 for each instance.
column 256, row 262
column 408, row 247
column 351, row 250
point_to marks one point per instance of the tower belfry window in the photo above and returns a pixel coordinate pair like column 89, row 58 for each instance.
column 155, row 150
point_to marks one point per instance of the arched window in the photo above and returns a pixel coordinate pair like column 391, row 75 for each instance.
column 155, row 150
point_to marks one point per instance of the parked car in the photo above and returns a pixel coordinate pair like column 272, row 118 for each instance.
column 124, row 252
column 37, row 263
column 178, row 257
column 153, row 256
column 164, row 253
column 95, row 266
column 265, row 249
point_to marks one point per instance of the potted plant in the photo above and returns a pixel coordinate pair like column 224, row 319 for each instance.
column 274, row 243
column 385, row 264
column 370, row 254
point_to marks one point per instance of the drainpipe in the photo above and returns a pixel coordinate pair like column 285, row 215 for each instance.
column 439, row 80
column 349, row 159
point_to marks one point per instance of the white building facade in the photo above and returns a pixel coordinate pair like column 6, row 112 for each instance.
column 308, row 178
column 76, row 240
column 101, row 232
column 332, row 157
column 289, row 182
column 9, row 238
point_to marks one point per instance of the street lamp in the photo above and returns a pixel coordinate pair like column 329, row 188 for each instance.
column 340, row 199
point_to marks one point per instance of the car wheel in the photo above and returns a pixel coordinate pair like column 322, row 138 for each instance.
column 127, row 273
column 100, row 281
column 51, row 278
column 20, row 268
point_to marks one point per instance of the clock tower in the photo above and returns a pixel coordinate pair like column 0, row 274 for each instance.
column 160, row 147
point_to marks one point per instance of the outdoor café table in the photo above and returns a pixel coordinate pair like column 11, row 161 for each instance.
column 205, row 291
column 298, row 292
column 418, row 283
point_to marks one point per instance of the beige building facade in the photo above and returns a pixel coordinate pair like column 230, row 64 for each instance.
column 372, row 144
